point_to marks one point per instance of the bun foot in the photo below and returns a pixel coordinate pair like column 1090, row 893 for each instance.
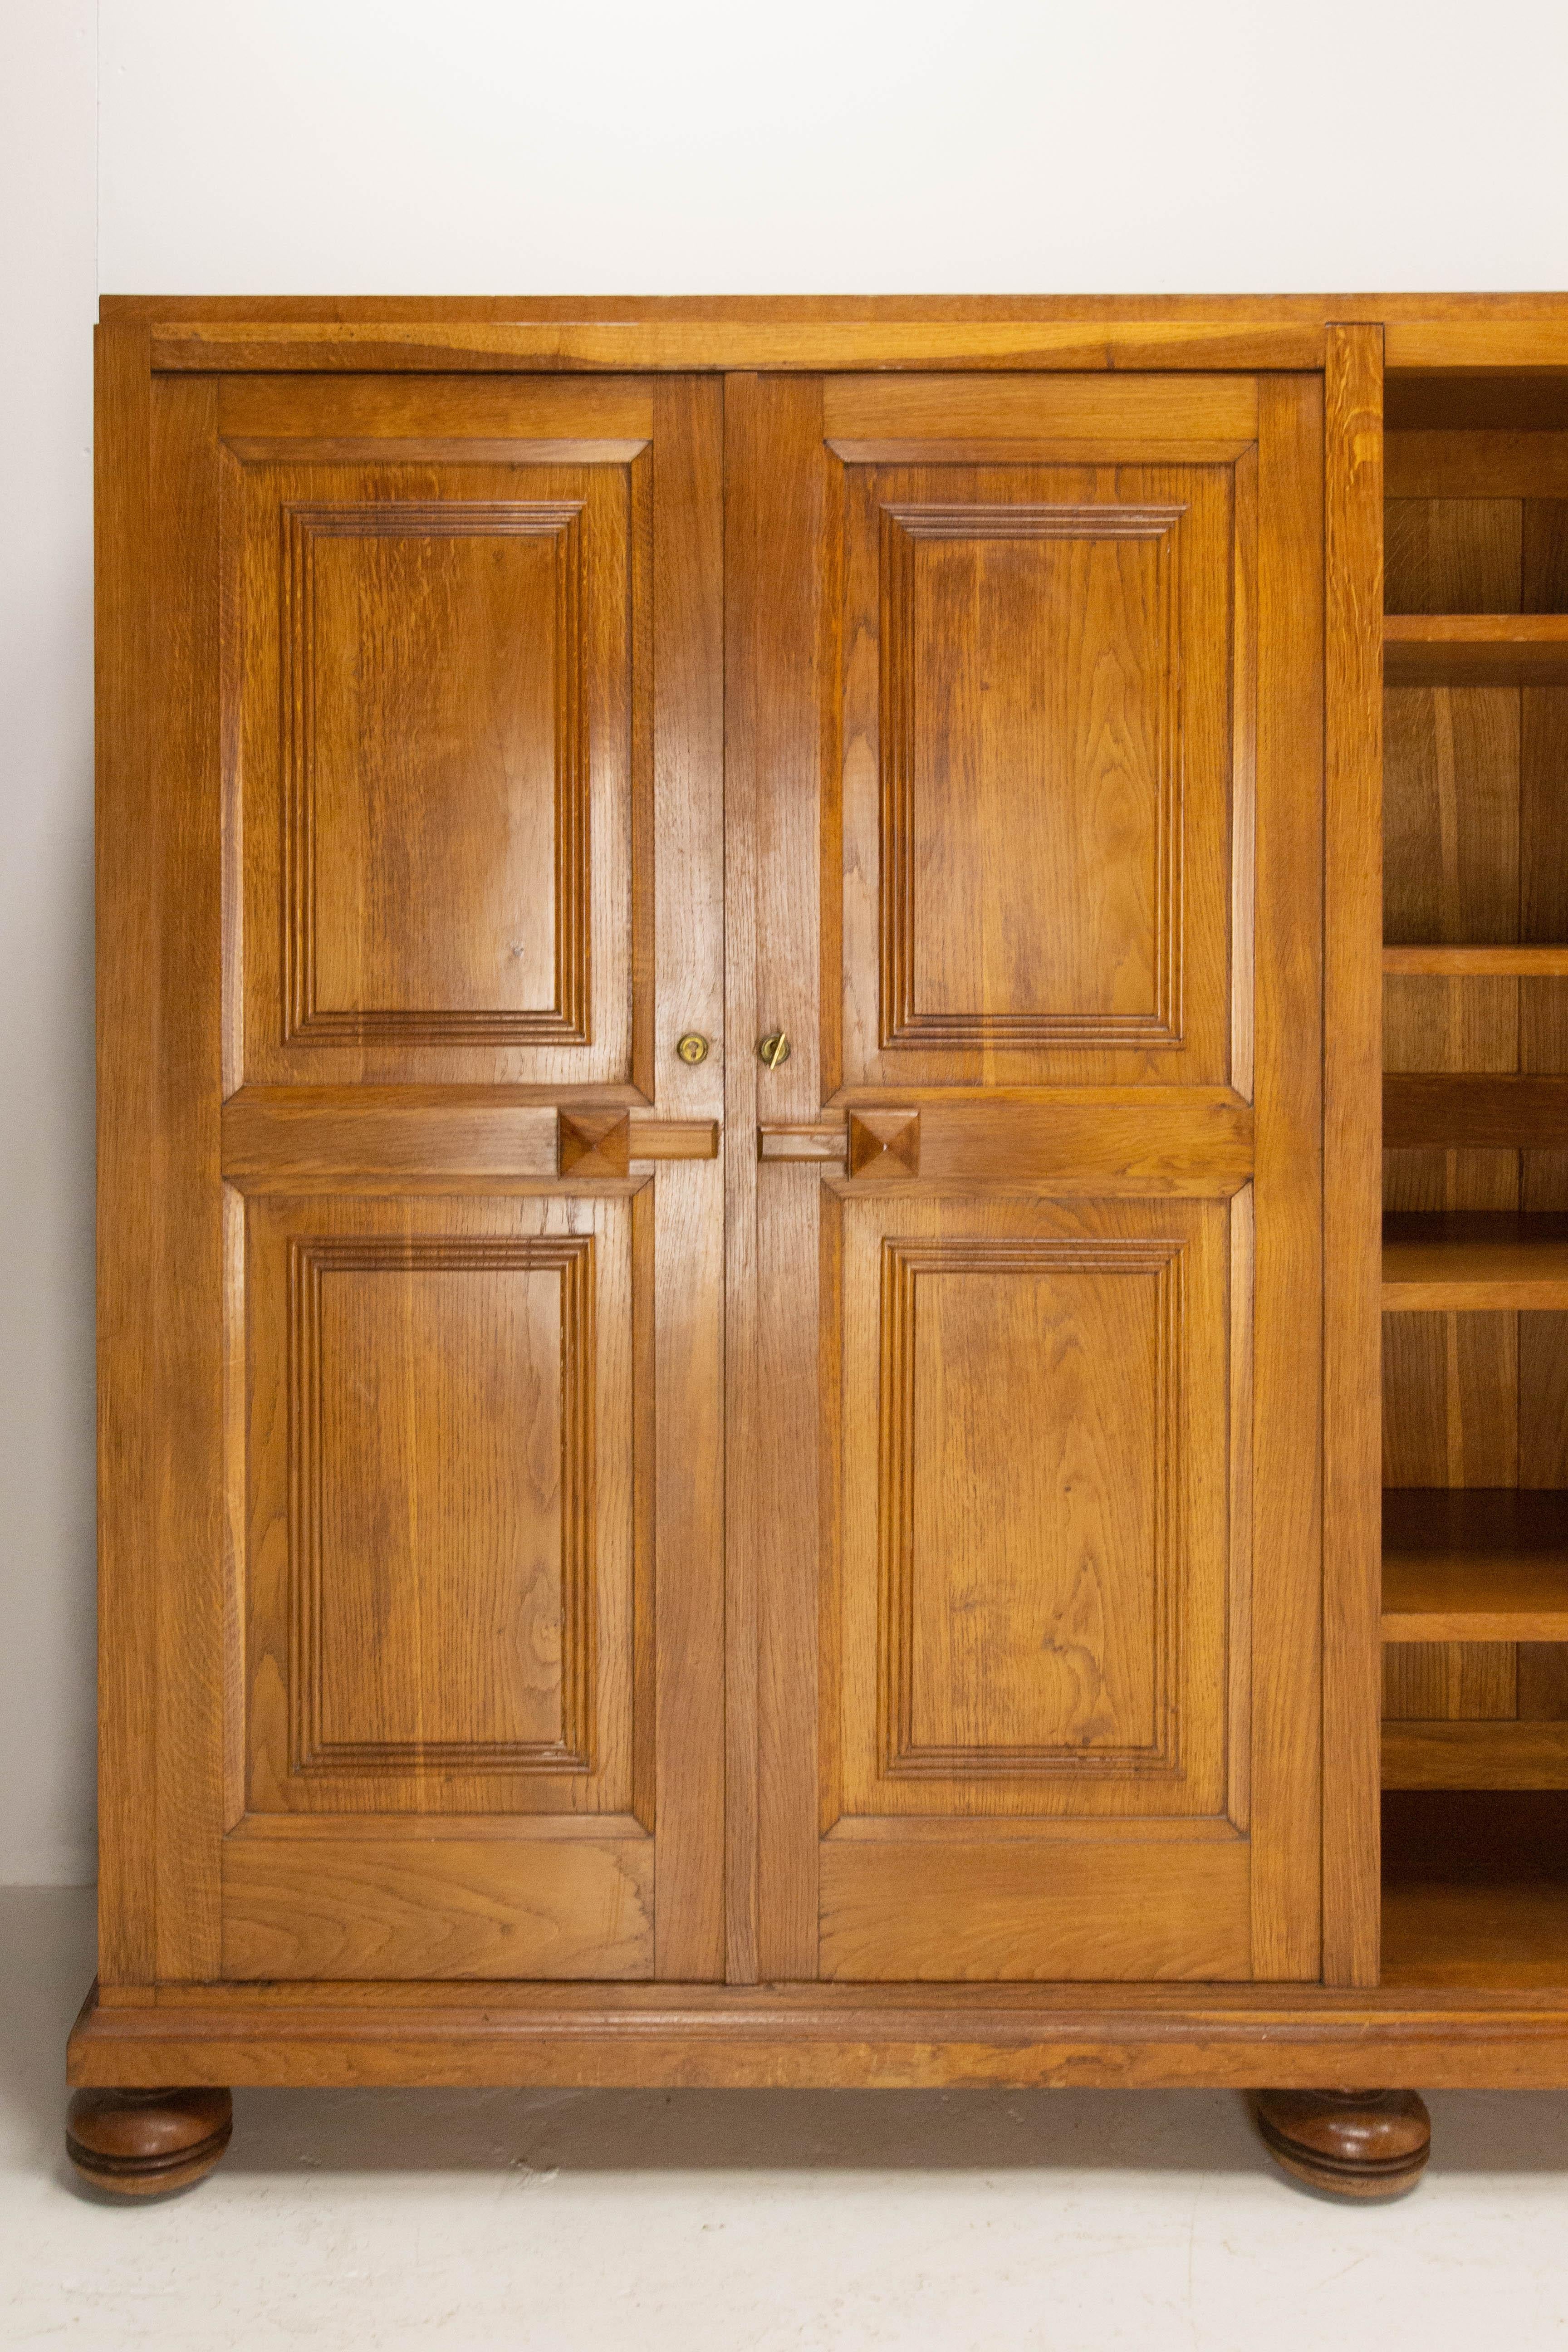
column 1349, row 2143
column 140, row 2143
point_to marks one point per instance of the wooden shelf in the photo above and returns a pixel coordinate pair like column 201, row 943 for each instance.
column 1475, row 1564
column 1510, row 1936
column 1449, row 1111
column 1467, row 963
column 1473, row 1752
column 1475, row 650
column 1476, row 1889
column 1474, row 1262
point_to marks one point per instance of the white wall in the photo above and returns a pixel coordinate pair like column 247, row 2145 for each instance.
column 505, row 146
column 46, row 298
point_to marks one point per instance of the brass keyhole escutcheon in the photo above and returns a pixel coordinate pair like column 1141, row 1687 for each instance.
column 693, row 1046
column 774, row 1048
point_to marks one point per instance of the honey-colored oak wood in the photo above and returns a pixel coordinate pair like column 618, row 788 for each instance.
column 1471, row 1111
column 1489, row 462
column 1469, row 1261
column 493, row 692
column 1489, row 1751
column 1495, row 2028
column 1352, row 1164
column 128, row 1212
column 1485, row 963
column 1475, row 1564
column 776, row 345
column 1087, row 1142
column 1476, row 649
column 432, row 720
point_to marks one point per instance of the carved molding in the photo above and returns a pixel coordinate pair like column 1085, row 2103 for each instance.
column 884, row 1143
column 903, row 1022
column 592, row 1143
column 308, row 1260
column 904, row 1262
column 305, row 526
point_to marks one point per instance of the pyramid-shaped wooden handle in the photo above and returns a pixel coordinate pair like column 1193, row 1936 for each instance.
column 594, row 1143
column 884, row 1143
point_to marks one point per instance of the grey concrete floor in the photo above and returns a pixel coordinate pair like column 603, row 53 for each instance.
column 718, row 2221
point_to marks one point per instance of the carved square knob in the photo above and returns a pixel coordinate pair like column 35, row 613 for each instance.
column 594, row 1143
column 884, row 1143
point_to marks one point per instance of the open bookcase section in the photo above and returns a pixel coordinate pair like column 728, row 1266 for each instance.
column 1475, row 1591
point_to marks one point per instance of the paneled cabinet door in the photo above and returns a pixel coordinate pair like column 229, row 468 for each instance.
column 440, row 746
column 1026, row 728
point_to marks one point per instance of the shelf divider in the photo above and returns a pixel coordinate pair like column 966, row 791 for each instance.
column 1475, row 650
column 1474, row 963
column 1472, row 1262
column 1475, row 1564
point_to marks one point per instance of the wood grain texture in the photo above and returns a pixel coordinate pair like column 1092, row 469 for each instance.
column 127, row 1199
column 1108, row 414
column 289, row 1138
column 687, row 1217
column 1494, row 1112
column 1452, row 1935
column 1031, row 1603
column 491, row 1908
column 190, row 342
column 1477, row 649
column 1480, row 1752
column 1472, row 1261
column 1448, row 340
column 1479, row 964
column 1503, row 2033
column 446, row 913
column 442, row 1610
column 960, row 470
column 436, row 653
column 1287, row 1617
column 975, row 713
column 1353, row 1171
column 999, row 611
column 1056, row 1910
column 434, row 1608
column 1484, row 464
column 1475, row 1564
column 190, row 1268
column 744, row 748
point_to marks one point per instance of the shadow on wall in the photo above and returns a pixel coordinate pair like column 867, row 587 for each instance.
column 46, row 1204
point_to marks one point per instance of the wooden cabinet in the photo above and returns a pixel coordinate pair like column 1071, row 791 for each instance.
column 740, row 1298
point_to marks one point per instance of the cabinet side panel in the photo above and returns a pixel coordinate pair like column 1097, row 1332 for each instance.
column 1352, row 1196
column 127, row 933
column 186, row 1277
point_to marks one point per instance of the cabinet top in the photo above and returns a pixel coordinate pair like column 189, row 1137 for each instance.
column 782, row 332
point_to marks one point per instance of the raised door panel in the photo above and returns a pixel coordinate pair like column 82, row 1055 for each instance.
column 443, row 1573
column 1035, row 1582
column 1038, row 797
column 439, row 674
column 1009, row 730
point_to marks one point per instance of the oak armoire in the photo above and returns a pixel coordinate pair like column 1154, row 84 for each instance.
column 833, row 1203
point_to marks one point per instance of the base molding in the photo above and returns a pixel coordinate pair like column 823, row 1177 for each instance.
column 1153, row 2037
